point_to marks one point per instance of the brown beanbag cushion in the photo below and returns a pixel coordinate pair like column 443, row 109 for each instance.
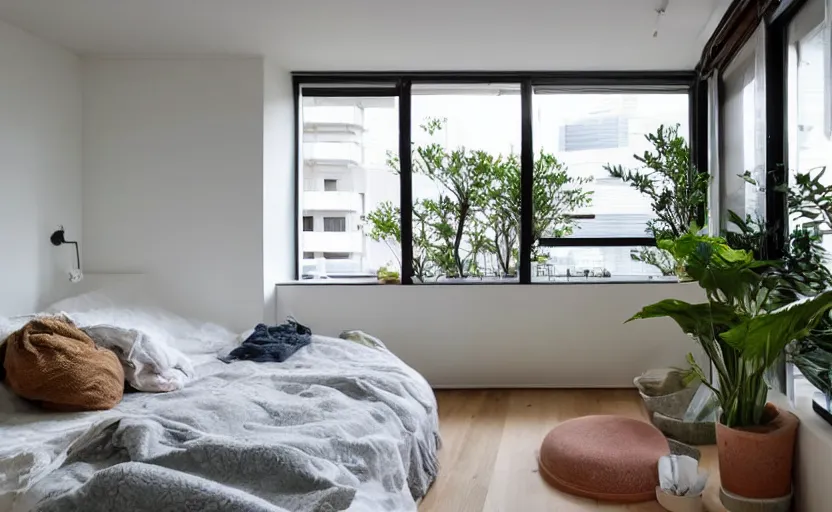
column 609, row 458
column 53, row 362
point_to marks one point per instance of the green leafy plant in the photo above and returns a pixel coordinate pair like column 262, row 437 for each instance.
column 676, row 189
column 386, row 275
column 803, row 269
column 555, row 194
column 806, row 271
column 475, row 218
column 386, row 226
column 739, row 331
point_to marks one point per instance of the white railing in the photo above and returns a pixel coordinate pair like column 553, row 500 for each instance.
column 322, row 241
column 332, row 201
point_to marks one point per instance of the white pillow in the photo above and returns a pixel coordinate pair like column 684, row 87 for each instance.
column 9, row 325
column 189, row 337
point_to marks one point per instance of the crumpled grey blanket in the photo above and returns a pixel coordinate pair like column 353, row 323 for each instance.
column 149, row 364
column 339, row 426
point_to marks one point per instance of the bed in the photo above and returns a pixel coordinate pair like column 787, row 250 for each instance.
column 339, row 426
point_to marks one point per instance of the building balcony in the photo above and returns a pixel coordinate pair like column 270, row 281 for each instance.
column 332, row 202
column 332, row 132
column 332, row 153
column 323, row 241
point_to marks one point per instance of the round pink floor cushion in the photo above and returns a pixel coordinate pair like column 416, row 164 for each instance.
column 609, row 458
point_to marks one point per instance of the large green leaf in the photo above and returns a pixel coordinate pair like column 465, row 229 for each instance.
column 698, row 320
column 765, row 336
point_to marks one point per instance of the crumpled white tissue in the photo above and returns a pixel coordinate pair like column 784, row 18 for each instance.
column 679, row 475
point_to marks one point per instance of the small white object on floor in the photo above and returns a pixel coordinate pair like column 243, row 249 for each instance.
column 680, row 483
column 679, row 475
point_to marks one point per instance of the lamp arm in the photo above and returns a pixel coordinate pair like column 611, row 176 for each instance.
column 77, row 254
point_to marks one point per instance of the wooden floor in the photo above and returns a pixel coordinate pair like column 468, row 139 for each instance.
column 490, row 442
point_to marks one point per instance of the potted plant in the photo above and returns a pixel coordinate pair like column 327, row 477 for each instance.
column 743, row 336
column 676, row 189
column 388, row 276
column 804, row 269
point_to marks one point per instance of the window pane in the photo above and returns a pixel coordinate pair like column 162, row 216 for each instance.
column 593, row 264
column 347, row 142
column 309, row 255
column 309, row 223
column 335, row 224
column 466, row 181
column 811, row 92
column 577, row 136
column 743, row 135
column 810, row 150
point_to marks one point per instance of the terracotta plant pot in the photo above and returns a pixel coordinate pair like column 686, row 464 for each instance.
column 756, row 462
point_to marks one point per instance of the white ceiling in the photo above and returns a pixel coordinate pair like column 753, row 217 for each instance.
column 385, row 34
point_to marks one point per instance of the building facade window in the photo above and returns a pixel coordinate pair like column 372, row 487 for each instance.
column 309, row 255
column 598, row 133
column 335, row 224
column 308, row 223
column 336, row 255
column 330, row 185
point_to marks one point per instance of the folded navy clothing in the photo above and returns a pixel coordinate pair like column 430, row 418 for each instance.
column 272, row 344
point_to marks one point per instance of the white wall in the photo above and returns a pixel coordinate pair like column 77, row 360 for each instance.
column 504, row 335
column 40, row 168
column 173, row 180
column 813, row 459
column 278, row 183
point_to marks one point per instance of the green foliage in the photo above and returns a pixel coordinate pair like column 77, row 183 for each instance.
column 750, row 234
column 476, row 216
column 803, row 270
column 676, row 190
column 806, row 272
column 555, row 194
column 737, row 327
column 388, row 275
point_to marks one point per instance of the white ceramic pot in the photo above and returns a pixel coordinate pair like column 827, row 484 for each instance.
column 675, row 503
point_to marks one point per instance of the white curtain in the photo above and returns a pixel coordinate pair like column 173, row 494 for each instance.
column 742, row 130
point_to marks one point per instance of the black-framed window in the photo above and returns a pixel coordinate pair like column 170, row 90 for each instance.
column 335, row 224
column 582, row 131
column 804, row 33
column 509, row 144
column 346, row 135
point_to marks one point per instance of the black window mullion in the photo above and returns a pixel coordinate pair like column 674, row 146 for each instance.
column 526, row 182
column 598, row 242
column 406, row 180
column 699, row 137
column 298, row 130
column 350, row 92
column 776, row 48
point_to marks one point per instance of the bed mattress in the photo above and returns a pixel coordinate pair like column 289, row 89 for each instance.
column 339, row 426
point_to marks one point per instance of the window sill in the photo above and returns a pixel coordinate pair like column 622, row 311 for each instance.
column 490, row 281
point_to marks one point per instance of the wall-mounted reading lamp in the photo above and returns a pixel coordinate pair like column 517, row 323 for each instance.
column 58, row 238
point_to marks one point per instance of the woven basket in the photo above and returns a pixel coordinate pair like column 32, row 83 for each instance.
column 667, row 398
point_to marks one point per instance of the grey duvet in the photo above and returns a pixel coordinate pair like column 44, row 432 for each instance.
column 339, row 426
